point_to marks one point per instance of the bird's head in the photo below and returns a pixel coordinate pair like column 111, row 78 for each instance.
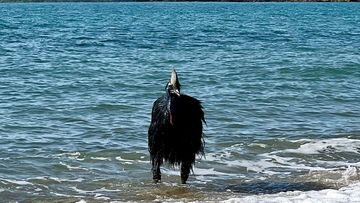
column 173, row 87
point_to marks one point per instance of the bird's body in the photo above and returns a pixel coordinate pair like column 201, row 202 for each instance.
column 176, row 131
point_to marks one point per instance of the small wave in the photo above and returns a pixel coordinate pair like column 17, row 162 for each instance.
column 125, row 161
column 319, row 146
column 326, row 155
column 16, row 182
column 337, row 178
column 345, row 194
column 55, row 179
column 71, row 168
column 73, row 155
column 100, row 158
column 130, row 161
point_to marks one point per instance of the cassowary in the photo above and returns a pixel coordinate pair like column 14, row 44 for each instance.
column 176, row 130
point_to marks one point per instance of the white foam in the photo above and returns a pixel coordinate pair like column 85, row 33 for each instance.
column 338, row 177
column 335, row 144
column 282, row 161
column 59, row 180
column 210, row 171
column 258, row 145
column 77, row 180
column 218, row 156
column 80, row 191
column 266, row 163
column 125, row 161
column 346, row 194
column 129, row 161
column 141, row 161
column 17, row 182
column 73, row 167
column 73, row 155
column 100, row 158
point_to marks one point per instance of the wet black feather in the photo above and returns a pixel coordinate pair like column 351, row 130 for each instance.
column 182, row 139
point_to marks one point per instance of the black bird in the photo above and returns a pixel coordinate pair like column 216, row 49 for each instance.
column 176, row 130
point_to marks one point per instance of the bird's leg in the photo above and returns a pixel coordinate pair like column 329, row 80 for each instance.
column 156, row 163
column 185, row 171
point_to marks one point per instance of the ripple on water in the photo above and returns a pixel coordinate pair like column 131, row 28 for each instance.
column 279, row 84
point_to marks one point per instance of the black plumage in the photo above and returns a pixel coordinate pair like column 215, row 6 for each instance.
column 176, row 130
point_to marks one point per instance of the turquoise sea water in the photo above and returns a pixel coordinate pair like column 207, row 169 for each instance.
column 280, row 83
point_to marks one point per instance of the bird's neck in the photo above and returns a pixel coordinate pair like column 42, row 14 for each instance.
column 171, row 108
column 169, row 99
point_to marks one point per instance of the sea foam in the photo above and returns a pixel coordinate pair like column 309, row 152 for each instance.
column 345, row 194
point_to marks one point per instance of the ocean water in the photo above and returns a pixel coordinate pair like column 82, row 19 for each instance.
column 280, row 84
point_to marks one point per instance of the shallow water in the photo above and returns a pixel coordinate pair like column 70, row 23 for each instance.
column 279, row 83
